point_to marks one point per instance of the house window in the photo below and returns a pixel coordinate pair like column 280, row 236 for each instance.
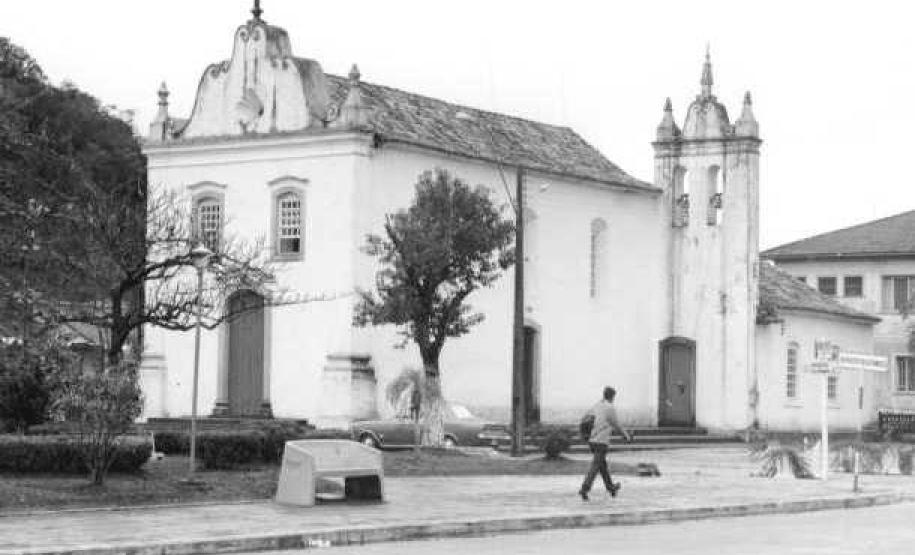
column 791, row 371
column 832, row 387
column 209, row 222
column 289, row 223
column 853, row 286
column 598, row 238
column 827, row 285
column 898, row 293
column 905, row 374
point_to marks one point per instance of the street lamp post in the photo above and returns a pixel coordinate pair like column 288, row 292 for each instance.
column 201, row 257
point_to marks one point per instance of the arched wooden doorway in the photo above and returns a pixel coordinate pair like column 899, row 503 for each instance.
column 246, row 353
column 677, row 384
column 531, row 370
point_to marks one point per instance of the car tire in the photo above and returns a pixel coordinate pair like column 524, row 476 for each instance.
column 449, row 442
column 369, row 441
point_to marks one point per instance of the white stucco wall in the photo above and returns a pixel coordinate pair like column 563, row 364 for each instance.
column 891, row 334
column 779, row 413
column 712, row 261
column 299, row 335
column 585, row 343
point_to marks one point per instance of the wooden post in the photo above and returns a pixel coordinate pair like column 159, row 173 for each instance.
column 518, row 408
column 824, row 432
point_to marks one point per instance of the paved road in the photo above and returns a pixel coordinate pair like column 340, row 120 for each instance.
column 875, row 531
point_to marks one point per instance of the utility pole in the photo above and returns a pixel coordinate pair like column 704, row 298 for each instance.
column 518, row 409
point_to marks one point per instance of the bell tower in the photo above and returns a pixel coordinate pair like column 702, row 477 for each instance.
column 709, row 172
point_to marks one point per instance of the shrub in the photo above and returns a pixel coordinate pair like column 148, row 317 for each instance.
column 172, row 443
column 905, row 461
column 555, row 445
column 63, row 454
column 229, row 449
column 263, row 444
column 554, row 439
column 103, row 404
column 25, row 395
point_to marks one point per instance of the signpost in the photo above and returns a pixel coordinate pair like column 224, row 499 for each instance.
column 829, row 361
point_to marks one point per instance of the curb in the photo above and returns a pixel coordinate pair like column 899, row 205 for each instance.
column 468, row 528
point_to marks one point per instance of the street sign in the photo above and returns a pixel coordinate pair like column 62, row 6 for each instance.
column 861, row 361
column 829, row 360
column 819, row 367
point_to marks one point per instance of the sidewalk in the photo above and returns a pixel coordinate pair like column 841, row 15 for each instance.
column 695, row 483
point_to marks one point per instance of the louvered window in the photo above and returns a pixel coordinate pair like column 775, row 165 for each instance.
column 791, row 372
column 289, row 224
column 209, row 222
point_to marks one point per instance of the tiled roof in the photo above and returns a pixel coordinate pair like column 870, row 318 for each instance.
column 780, row 291
column 428, row 122
column 888, row 237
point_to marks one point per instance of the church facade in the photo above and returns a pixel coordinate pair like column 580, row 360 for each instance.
column 651, row 287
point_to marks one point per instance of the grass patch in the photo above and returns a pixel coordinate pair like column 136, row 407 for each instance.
column 160, row 481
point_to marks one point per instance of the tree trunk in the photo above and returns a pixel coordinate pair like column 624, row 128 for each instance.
column 433, row 410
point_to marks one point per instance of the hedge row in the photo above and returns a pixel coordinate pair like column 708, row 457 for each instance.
column 61, row 454
column 222, row 450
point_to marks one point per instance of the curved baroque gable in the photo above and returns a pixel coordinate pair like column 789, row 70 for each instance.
column 261, row 89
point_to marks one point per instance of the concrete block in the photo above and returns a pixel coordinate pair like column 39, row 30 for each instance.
column 306, row 462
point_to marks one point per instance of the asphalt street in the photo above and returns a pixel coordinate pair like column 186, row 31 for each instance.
column 872, row 531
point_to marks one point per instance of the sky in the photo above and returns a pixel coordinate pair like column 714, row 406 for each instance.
column 832, row 82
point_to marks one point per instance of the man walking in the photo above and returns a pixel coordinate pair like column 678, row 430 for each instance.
column 599, row 442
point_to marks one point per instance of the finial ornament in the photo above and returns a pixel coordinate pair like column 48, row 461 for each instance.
column 163, row 94
column 354, row 74
column 746, row 125
column 257, row 11
column 668, row 129
column 706, row 81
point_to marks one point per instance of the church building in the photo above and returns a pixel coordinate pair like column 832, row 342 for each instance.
column 654, row 288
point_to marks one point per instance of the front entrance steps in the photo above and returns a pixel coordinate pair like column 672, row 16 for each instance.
column 644, row 438
column 672, row 438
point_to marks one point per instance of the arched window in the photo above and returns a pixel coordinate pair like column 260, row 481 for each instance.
column 598, row 240
column 289, row 223
column 208, row 215
column 680, row 198
column 288, row 217
column 715, row 199
column 791, row 371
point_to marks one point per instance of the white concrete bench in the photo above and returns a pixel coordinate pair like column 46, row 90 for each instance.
column 308, row 460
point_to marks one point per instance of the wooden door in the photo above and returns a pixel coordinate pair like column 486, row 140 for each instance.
column 677, row 395
column 246, row 354
column 531, row 379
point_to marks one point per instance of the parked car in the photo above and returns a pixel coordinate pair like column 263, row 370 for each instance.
column 461, row 428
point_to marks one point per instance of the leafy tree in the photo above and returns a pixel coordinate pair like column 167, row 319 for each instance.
column 82, row 237
column 451, row 241
column 25, row 391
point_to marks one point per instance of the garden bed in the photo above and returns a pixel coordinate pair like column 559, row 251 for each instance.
column 160, row 482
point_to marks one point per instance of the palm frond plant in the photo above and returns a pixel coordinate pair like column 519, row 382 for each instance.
column 775, row 458
column 405, row 394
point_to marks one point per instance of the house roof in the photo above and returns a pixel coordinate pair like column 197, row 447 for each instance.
column 411, row 118
column 890, row 237
column 778, row 291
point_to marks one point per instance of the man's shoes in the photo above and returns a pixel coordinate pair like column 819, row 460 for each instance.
column 614, row 488
column 583, row 494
